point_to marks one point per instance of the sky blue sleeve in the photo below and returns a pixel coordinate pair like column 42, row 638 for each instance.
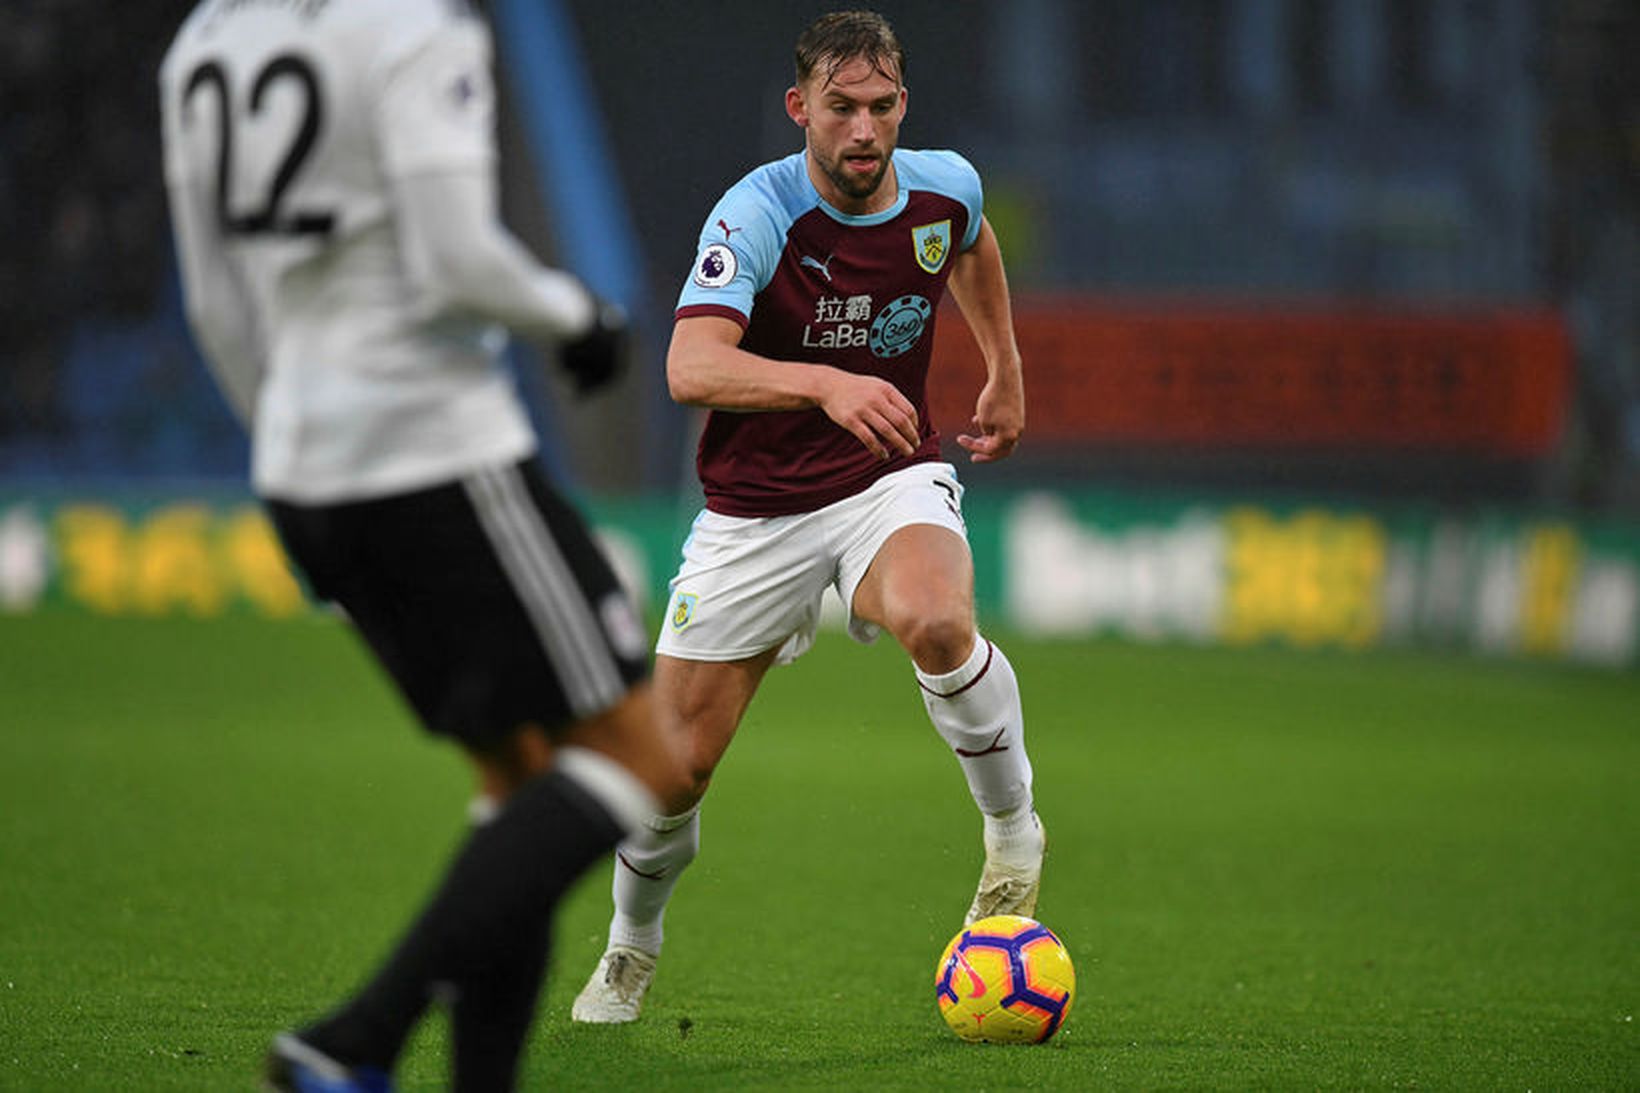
column 950, row 174
column 738, row 250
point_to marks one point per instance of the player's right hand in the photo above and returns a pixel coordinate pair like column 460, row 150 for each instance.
column 599, row 356
column 875, row 411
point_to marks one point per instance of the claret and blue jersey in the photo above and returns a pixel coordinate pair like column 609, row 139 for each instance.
column 808, row 283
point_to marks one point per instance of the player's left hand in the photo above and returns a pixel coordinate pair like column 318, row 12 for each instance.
column 599, row 356
column 998, row 422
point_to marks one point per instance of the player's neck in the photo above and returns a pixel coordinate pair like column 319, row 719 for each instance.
column 883, row 197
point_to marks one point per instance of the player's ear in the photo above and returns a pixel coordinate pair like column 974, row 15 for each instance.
column 796, row 109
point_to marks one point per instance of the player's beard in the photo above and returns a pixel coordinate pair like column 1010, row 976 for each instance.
column 854, row 185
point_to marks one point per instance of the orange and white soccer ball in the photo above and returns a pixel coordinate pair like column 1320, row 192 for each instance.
column 1005, row 980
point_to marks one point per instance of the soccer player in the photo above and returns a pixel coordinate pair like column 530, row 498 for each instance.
column 806, row 327
column 331, row 170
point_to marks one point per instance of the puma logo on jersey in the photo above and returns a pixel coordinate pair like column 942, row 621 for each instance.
column 727, row 230
column 815, row 263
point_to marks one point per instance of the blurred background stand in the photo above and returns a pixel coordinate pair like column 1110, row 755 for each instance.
column 1341, row 252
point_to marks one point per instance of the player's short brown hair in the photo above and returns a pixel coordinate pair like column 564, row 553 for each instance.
column 842, row 36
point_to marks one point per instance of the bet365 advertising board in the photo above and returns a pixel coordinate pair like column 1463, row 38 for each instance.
column 1049, row 563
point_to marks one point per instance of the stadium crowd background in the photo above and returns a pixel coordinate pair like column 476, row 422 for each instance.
column 1396, row 155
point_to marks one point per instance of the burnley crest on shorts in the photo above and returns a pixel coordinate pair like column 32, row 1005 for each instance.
column 683, row 609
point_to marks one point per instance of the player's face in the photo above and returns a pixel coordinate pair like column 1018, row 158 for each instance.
column 852, row 121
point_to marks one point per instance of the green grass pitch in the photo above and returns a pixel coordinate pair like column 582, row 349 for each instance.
column 1273, row 869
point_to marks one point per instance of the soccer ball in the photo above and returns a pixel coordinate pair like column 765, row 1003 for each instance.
column 1005, row 980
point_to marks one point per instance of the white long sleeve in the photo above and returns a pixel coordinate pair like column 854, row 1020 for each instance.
column 355, row 312
column 218, row 306
column 463, row 262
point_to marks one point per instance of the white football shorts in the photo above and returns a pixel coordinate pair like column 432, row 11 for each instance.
column 748, row 584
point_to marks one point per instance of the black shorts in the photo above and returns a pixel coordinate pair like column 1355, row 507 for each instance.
column 485, row 599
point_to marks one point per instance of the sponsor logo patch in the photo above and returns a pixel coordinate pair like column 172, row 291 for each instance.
column 717, row 266
column 899, row 326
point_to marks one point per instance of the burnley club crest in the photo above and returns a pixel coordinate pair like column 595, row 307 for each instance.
column 931, row 243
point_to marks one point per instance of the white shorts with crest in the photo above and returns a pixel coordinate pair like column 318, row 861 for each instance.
column 749, row 584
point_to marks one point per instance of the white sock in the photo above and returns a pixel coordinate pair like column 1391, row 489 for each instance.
column 976, row 709
column 620, row 792
column 482, row 809
column 647, row 866
column 1014, row 839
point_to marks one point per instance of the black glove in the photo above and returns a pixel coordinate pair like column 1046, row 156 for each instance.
column 599, row 356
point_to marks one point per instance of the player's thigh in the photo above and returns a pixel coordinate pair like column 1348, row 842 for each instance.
column 922, row 574
column 745, row 586
column 907, row 557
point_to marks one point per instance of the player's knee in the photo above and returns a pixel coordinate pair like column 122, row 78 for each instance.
column 679, row 795
column 937, row 641
column 700, row 761
column 700, row 736
column 695, row 789
column 675, row 785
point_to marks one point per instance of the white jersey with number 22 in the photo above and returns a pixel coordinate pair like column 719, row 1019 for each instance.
column 286, row 126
